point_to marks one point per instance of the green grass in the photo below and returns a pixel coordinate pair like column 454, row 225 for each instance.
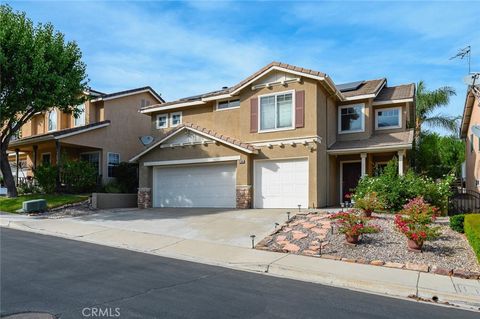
column 10, row 205
column 472, row 231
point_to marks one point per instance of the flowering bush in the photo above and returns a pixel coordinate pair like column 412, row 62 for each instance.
column 370, row 202
column 352, row 224
column 414, row 221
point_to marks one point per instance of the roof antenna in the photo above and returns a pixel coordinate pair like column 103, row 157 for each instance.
column 462, row 53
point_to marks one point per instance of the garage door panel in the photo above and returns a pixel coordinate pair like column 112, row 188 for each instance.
column 281, row 184
column 195, row 186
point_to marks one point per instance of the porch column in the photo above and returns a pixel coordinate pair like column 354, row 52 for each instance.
column 58, row 162
column 17, row 160
column 400, row 162
column 363, row 156
column 35, row 151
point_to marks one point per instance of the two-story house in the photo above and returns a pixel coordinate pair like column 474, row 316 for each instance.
column 470, row 132
column 283, row 137
column 105, row 133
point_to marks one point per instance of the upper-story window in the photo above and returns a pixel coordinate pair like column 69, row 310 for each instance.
column 230, row 104
column 351, row 118
column 162, row 121
column 52, row 120
column 113, row 160
column 276, row 111
column 80, row 120
column 388, row 118
column 175, row 119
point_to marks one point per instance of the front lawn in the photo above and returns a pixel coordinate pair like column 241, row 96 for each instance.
column 10, row 205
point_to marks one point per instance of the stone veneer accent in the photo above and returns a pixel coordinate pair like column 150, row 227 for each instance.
column 144, row 197
column 244, row 196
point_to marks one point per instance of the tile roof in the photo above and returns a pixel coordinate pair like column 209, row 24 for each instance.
column 376, row 140
column 368, row 87
column 399, row 92
column 114, row 94
column 58, row 133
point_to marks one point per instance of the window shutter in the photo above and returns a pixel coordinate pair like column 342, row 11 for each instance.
column 299, row 108
column 254, row 115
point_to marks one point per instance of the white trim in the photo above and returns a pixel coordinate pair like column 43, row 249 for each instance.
column 292, row 127
column 171, row 118
column 278, row 68
column 170, row 107
column 127, row 94
column 275, row 83
column 340, row 108
column 341, row 175
column 280, row 159
column 166, row 120
column 400, row 118
column 370, row 149
column 217, row 97
column 148, row 149
column 221, row 141
column 194, row 161
column 392, row 101
column 286, row 139
column 81, row 131
column 317, row 139
column 228, row 101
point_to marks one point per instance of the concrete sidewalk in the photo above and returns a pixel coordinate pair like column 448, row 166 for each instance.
column 366, row 278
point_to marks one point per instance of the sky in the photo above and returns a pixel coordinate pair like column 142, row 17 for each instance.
column 186, row 48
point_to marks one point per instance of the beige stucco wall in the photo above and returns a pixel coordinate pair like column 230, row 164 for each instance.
column 472, row 159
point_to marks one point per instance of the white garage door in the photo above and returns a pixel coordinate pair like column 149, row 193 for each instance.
column 281, row 184
column 195, row 186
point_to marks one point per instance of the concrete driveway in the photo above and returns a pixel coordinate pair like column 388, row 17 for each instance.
column 225, row 226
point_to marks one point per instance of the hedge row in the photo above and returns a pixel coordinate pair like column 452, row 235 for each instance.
column 472, row 231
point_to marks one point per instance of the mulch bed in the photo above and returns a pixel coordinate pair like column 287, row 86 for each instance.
column 306, row 233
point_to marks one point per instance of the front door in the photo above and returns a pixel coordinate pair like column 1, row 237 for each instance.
column 351, row 173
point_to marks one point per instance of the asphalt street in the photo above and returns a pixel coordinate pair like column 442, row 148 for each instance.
column 72, row 279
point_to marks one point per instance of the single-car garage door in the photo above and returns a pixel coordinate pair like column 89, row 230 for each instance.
column 281, row 183
column 195, row 186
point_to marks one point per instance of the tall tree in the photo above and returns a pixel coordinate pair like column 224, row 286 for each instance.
column 39, row 71
column 427, row 103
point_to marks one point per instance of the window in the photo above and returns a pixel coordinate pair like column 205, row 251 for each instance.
column 471, row 143
column 230, row 104
column 144, row 103
column 113, row 160
column 46, row 159
column 93, row 158
column 52, row 120
column 351, row 118
column 276, row 112
column 80, row 120
column 388, row 118
column 162, row 121
column 175, row 119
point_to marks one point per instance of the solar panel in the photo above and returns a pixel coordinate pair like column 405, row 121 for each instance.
column 344, row 87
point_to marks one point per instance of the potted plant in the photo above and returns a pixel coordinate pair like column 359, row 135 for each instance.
column 369, row 203
column 353, row 225
column 414, row 221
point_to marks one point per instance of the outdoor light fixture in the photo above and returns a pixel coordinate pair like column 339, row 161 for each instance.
column 253, row 240
column 288, row 216
column 320, row 248
column 299, row 207
column 276, row 225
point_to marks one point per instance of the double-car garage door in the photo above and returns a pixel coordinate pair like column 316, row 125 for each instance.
column 277, row 184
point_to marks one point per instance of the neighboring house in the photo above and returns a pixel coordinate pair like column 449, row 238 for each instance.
column 470, row 131
column 283, row 137
column 106, row 132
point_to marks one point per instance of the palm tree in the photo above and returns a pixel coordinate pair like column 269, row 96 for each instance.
column 427, row 103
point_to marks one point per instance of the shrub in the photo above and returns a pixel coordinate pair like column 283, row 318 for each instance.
column 472, row 231
column 112, row 187
column 415, row 219
column 352, row 224
column 456, row 222
column 46, row 176
column 78, row 176
column 126, row 175
column 370, row 203
column 396, row 190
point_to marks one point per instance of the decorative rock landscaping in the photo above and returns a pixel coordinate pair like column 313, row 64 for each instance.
column 311, row 234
